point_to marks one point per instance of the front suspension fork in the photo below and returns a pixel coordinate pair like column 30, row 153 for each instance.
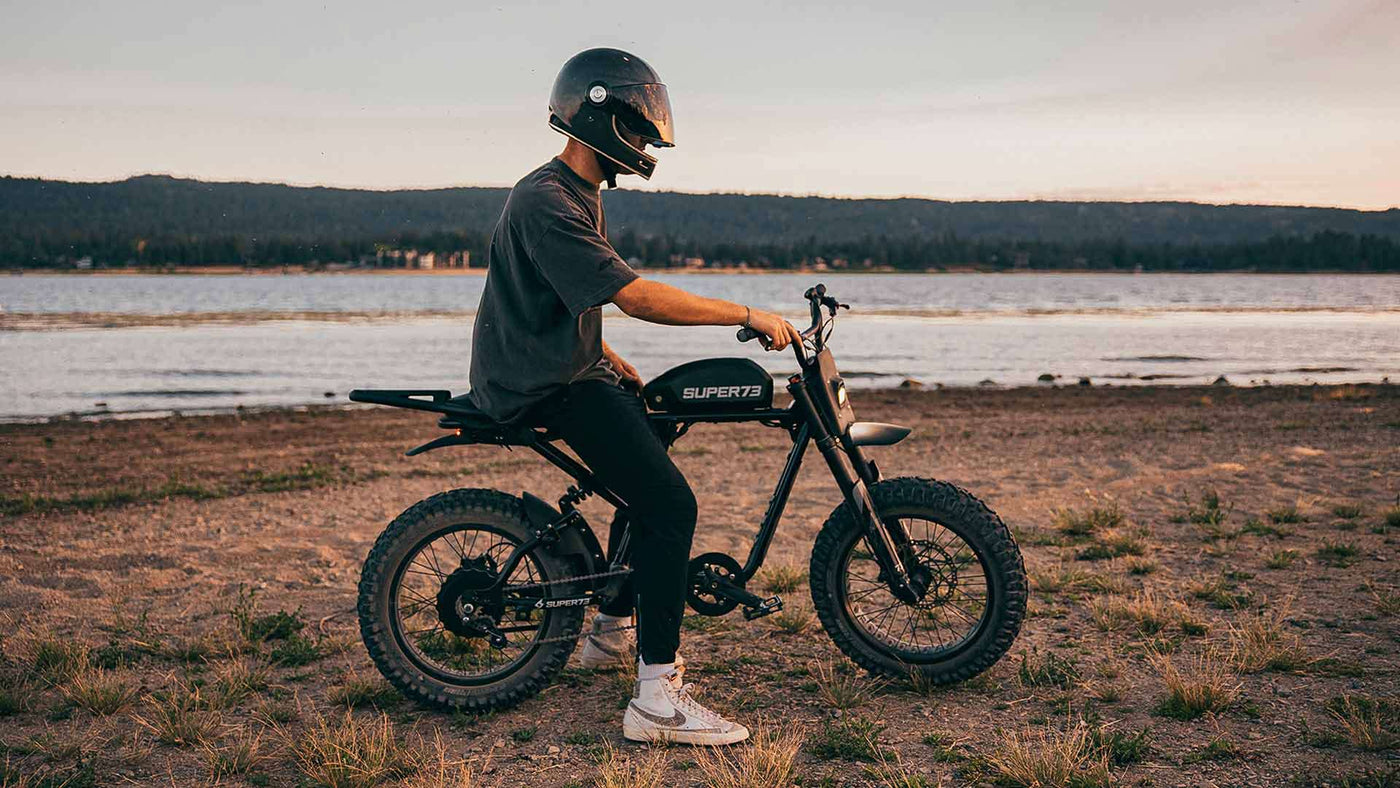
column 887, row 538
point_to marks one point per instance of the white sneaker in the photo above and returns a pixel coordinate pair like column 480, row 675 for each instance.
column 608, row 645
column 662, row 709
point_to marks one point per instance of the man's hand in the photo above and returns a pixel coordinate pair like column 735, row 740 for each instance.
column 780, row 332
column 630, row 376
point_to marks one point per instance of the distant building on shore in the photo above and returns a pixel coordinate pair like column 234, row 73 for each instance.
column 423, row 261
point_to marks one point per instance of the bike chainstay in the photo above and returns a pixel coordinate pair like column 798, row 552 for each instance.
column 576, row 579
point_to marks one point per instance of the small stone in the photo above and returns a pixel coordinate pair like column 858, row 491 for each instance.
column 1283, row 692
column 553, row 749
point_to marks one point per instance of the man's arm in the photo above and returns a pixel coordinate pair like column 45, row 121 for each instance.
column 656, row 302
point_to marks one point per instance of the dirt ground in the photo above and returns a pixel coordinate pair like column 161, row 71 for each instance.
column 143, row 564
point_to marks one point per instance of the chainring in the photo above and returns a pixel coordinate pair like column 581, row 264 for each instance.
column 704, row 569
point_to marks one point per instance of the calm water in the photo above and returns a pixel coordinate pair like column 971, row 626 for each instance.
column 953, row 329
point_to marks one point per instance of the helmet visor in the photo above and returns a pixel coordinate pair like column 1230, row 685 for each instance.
column 646, row 111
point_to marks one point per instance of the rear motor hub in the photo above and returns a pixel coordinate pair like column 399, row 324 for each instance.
column 464, row 595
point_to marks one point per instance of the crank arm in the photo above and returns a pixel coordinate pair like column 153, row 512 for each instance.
column 722, row 587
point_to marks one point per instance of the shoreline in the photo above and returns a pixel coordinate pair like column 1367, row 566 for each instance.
column 45, row 321
column 1148, row 388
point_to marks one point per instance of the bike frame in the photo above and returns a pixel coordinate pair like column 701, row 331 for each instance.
column 817, row 414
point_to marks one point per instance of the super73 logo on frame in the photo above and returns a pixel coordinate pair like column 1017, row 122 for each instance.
column 716, row 392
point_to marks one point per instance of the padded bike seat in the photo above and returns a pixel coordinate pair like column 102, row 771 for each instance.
column 474, row 418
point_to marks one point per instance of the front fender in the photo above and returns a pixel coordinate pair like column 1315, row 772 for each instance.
column 874, row 433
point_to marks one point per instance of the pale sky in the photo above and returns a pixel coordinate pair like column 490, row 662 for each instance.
column 1245, row 101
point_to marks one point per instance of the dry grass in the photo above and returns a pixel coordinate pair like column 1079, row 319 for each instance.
column 353, row 752
column 841, row 687
column 1050, row 758
column 237, row 681
column 1262, row 643
column 241, row 756
column 793, row 619
column 1387, row 600
column 356, row 691
column 1146, row 611
column 1368, row 724
column 644, row 771
column 781, row 578
column 179, row 716
column 889, row 771
column 1205, row 687
column 1074, row 523
column 1281, row 559
column 99, row 691
column 56, row 661
column 1073, row 579
column 769, row 760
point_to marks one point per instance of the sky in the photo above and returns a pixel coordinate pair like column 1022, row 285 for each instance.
column 1246, row 101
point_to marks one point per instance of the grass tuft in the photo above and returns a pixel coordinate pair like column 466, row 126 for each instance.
column 1050, row 758
column 1281, row 559
column 1073, row 522
column 644, row 771
column 781, row 578
column 1205, row 687
column 356, row 691
column 842, row 688
column 1367, row 723
column 768, row 761
column 1050, row 670
column 353, row 753
column 179, row 717
column 1338, row 554
column 849, row 738
column 99, row 691
column 1262, row 644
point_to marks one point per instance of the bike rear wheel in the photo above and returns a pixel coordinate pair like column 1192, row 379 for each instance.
column 426, row 572
column 976, row 597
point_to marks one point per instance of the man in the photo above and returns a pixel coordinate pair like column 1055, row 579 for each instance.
column 538, row 357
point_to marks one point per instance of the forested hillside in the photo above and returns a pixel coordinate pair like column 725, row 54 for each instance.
column 158, row 220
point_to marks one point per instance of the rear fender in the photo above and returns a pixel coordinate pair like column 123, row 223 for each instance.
column 577, row 544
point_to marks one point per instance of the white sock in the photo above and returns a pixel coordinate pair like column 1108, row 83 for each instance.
column 606, row 621
column 647, row 672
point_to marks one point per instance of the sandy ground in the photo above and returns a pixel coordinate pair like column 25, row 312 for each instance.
column 130, row 541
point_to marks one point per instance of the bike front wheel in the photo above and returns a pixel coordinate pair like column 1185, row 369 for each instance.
column 976, row 598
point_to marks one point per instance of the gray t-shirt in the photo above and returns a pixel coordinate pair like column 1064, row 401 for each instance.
column 549, row 269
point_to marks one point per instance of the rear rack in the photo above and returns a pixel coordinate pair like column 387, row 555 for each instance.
column 409, row 398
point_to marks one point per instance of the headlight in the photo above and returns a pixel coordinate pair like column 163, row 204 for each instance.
column 840, row 394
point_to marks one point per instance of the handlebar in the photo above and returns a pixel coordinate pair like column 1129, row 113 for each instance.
column 817, row 298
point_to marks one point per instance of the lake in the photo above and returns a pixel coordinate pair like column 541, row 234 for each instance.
column 300, row 339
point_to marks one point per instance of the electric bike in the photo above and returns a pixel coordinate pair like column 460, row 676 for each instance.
column 475, row 598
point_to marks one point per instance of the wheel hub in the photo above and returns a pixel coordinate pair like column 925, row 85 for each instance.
column 467, row 594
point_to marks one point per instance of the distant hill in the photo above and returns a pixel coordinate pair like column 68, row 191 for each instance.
column 194, row 221
column 157, row 204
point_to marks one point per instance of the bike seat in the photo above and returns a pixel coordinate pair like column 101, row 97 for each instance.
column 469, row 417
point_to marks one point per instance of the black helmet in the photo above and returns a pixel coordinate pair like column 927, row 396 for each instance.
column 600, row 89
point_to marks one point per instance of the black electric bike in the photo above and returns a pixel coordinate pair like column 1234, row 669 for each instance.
column 475, row 598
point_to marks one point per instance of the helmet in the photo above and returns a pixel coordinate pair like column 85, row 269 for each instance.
column 600, row 90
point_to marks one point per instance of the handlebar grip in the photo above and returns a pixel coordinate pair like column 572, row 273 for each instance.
column 746, row 334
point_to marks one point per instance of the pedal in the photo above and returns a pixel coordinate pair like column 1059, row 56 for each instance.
column 767, row 607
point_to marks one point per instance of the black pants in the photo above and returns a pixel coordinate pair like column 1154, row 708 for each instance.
column 606, row 425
